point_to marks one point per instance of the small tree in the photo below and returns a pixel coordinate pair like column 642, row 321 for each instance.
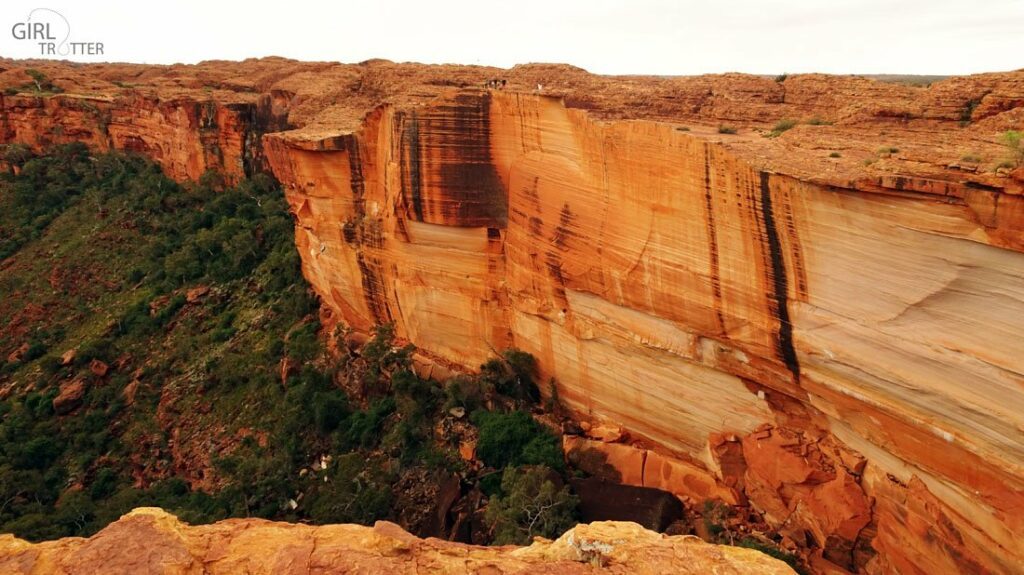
column 530, row 504
column 41, row 82
column 512, row 375
column 1014, row 142
column 16, row 155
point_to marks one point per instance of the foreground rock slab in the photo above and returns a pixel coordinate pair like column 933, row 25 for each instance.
column 150, row 541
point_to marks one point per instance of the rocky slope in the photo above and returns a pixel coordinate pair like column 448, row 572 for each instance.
column 149, row 541
column 824, row 321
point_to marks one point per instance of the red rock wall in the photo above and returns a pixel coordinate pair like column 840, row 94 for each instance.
column 848, row 360
column 184, row 135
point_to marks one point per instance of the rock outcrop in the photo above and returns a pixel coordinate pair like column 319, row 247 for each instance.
column 149, row 541
column 823, row 322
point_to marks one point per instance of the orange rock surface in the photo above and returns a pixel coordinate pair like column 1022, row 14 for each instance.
column 149, row 541
column 827, row 321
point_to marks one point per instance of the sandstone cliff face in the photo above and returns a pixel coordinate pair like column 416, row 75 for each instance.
column 833, row 340
column 149, row 541
column 683, row 287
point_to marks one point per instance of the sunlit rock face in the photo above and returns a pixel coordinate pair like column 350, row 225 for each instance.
column 684, row 290
column 150, row 541
column 824, row 323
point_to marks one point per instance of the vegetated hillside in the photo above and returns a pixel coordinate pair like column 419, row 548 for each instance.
column 160, row 347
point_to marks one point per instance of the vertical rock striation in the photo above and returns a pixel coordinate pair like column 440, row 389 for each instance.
column 684, row 290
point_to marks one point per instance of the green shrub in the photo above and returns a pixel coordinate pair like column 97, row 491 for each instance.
column 714, row 516
column 512, row 375
column 726, row 129
column 41, row 83
column 16, row 155
column 356, row 491
column 364, row 427
column 36, row 349
column 169, row 310
column 967, row 114
column 302, row 344
column 835, row 155
column 1013, row 141
column 37, row 453
column 383, row 357
column 772, row 551
column 330, row 409
column 104, row 484
column 465, row 392
column 515, row 439
column 782, row 126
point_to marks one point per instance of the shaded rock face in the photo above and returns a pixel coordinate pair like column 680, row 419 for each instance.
column 186, row 136
column 149, row 541
column 825, row 324
column 603, row 501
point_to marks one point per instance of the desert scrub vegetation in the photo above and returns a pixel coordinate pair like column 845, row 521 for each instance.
column 723, row 129
column 716, row 518
column 1013, row 142
column 179, row 311
column 532, row 501
column 967, row 113
column 39, row 84
column 781, row 126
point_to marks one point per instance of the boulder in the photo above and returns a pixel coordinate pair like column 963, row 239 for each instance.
column 70, row 397
column 195, row 294
column 98, row 368
column 603, row 501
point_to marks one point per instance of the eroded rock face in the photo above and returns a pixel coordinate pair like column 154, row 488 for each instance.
column 683, row 287
column 149, row 541
column 825, row 324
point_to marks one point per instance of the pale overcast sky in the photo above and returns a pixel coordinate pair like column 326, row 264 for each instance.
column 603, row 36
